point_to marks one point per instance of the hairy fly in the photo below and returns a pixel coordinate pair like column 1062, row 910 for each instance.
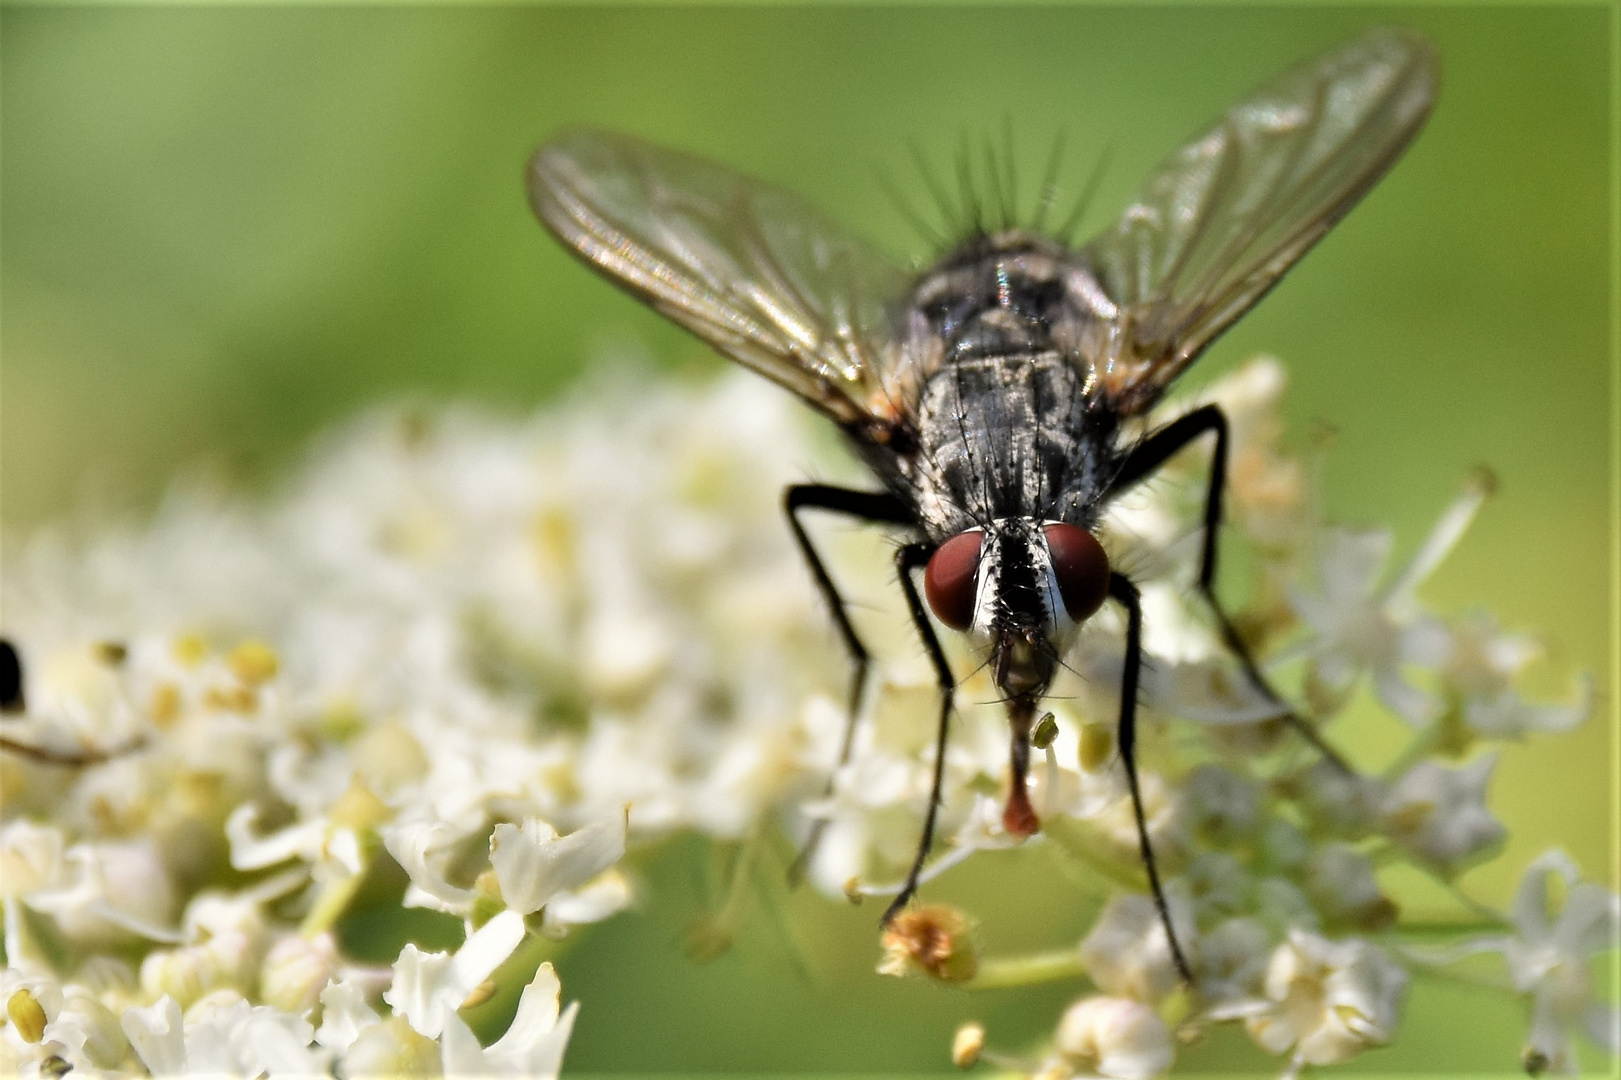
column 990, row 394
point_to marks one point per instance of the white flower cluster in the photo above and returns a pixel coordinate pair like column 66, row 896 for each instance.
column 461, row 663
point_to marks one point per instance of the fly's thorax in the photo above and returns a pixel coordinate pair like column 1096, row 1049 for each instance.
column 1009, row 435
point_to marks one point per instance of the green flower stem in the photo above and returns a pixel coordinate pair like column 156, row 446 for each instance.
column 491, row 1017
column 337, row 893
column 1387, row 853
column 1461, row 978
column 1008, row 972
column 1485, row 913
column 1084, row 842
column 1431, row 931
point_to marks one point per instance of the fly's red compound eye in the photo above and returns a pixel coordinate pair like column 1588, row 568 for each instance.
column 1081, row 567
column 948, row 580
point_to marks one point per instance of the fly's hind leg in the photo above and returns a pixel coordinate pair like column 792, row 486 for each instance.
column 1147, row 457
column 1125, row 593
column 873, row 507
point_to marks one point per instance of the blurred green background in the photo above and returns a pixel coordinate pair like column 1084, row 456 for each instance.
column 227, row 227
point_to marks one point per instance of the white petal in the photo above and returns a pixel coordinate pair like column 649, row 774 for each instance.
column 429, row 986
column 1425, row 642
column 425, row 848
column 533, row 864
column 460, row 1054
column 301, row 840
column 1404, row 699
column 1531, row 898
column 30, row 858
column 416, row 992
column 1351, row 563
column 1448, row 530
column 344, row 1012
column 606, row 895
column 487, row 950
column 534, row 1044
column 157, row 1036
column 1602, row 1022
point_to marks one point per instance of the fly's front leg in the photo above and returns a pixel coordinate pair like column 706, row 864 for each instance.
column 907, row 559
column 874, row 507
column 1144, row 460
column 1123, row 591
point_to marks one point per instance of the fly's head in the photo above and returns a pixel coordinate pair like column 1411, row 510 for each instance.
column 1019, row 589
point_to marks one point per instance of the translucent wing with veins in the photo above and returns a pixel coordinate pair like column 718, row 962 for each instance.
column 760, row 274
column 1222, row 219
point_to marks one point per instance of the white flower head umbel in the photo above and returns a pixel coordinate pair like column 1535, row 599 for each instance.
column 502, row 655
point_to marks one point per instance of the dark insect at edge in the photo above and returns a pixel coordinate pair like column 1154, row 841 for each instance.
column 11, row 679
column 988, row 394
column 13, row 700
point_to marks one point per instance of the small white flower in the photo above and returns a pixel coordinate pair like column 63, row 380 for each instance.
column 1233, row 957
column 1341, row 883
column 534, row 864
column 428, row 848
column 392, row 1049
column 114, row 889
column 1113, row 1037
column 1481, row 666
column 1440, row 816
column 1361, row 626
column 1338, row 802
column 1222, row 804
column 30, row 858
column 158, row 1036
column 1548, row 958
column 344, row 1015
column 1127, row 952
column 1327, row 1001
column 227, row 1036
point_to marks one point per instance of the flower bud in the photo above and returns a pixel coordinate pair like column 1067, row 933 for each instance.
column 296, row 970
column 967, row 1045
column 185, row 974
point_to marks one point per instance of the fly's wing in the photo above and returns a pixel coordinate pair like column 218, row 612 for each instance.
column 1224, row 217
column 759, row 274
